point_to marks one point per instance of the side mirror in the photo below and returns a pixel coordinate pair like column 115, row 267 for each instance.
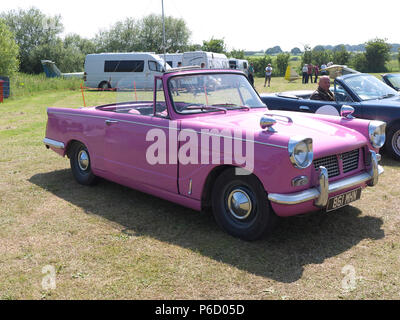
column 346, row 112
column 266, row 122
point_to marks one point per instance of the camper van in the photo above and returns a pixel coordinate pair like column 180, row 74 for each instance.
column 239, row 64
column 211, row 60
column 172, row 59
column 122, row 70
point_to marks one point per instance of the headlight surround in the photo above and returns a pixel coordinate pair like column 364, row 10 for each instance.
column 376, row 132
column 300, row 152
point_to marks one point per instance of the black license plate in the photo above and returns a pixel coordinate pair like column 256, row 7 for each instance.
column 343, row 199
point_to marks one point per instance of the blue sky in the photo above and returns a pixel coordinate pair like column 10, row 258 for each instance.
column 249, row 25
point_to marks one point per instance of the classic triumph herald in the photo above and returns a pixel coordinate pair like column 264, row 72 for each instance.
column 204, row 139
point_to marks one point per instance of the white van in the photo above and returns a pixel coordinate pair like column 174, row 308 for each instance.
column 172, row 59
column 239, row 64
column 122, row 70
column 211, row 60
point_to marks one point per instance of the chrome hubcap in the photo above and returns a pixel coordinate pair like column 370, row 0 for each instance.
column 396, row 142
column 83, row 160
column 239, row 204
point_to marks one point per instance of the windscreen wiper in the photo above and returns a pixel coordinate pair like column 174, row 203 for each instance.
column 389, row 95
column 205, row 107
column 231, row 105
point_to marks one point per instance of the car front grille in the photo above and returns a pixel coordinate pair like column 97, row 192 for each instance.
column 330, row 163
column 349, row 161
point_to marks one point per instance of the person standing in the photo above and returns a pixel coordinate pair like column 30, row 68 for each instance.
column 316, row 72
column 323, row 69
column 309, row 72
column 305, row 76
column 268, row 74
column 251, row 74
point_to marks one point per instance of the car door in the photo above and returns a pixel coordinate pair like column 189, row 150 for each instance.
column 342, row 96
column 139, row 146
column 345, row 97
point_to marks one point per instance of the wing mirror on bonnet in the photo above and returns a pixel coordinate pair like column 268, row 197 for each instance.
column 266, row 122
column 346, row 112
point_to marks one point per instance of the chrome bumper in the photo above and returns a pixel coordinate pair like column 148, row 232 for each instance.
column 321, row 193
column 53, row 143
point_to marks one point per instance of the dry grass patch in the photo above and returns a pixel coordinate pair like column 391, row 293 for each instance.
column 111, row 242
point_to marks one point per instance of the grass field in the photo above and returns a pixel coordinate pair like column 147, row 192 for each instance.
column 111, row 242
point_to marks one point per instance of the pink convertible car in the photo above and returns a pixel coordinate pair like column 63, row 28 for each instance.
column 205, row 139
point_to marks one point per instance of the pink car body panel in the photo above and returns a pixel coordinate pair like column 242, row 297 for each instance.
column 118, row 149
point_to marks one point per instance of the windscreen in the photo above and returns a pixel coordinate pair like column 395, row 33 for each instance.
column 211, row 92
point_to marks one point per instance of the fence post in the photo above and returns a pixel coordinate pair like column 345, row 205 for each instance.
column 134, row 87
column 83, row 96
column 1, row 91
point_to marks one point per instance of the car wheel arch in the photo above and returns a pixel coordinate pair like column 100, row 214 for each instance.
column 69, row 146
column 391, row 129
column 210, row 180
column 102, row 83
column 391, row 124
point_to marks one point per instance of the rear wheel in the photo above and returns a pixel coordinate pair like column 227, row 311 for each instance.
column 241, row 207
column 393, row 141
column 80, row 164
column 104, row 85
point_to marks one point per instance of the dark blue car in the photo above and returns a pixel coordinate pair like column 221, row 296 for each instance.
column 371, row 98
column 392, row 80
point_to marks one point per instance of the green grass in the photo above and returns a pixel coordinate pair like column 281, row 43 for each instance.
column 111, row 242
column 23, row 84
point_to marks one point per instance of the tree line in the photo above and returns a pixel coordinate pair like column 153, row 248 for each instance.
column 28, row 36
column 374, row 59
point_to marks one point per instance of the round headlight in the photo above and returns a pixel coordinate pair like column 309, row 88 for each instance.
column 300, row 152
column 376, row 131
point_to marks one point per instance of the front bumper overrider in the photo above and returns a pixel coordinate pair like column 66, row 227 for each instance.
column 321, row 193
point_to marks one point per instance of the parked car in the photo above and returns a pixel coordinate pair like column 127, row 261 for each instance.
column 370, row 97
column 172, row 59
column 211, row 60
column 336, row 70
column 239, row 64
column 221, row 149
column 392, row 80
column 51, row 71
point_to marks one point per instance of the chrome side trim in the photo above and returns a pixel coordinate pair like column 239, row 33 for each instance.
column 190, row 186
column 314, row 193
column 53, row 143
column 171, row 127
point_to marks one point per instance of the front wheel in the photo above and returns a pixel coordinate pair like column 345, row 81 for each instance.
column 81, row 165
column 241, row 207
column 393, row 142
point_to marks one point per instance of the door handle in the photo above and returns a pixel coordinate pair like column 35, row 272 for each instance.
column 109, row 122
column 304, row 108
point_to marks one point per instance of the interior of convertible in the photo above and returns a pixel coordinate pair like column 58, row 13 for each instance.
column 301, row 94
column 145, row 108
column 340, row 94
